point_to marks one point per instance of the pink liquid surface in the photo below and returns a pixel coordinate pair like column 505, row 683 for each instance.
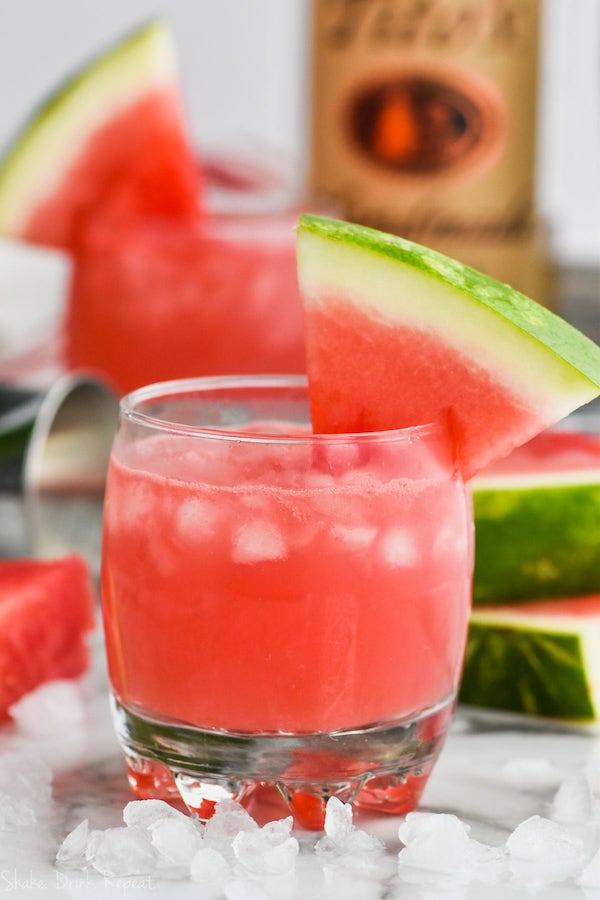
column 281, row 600
column 159, row 301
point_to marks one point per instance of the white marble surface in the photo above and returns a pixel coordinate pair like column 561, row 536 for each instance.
column 470, row 781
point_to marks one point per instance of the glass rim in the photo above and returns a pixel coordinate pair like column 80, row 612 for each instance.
column 228, row 223
column 129, row 410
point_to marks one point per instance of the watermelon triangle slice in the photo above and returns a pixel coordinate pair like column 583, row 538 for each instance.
column 398, row 335
column 112, row 137
column 539, row 658
column 537, row 521
column 47, row 611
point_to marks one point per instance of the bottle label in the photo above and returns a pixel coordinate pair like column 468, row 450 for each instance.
column 423, row 114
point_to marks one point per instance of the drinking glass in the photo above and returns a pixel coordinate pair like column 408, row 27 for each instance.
column 156, row 300
column 280, row 607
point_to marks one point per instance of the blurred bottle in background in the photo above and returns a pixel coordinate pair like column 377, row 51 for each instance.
column 424, row 123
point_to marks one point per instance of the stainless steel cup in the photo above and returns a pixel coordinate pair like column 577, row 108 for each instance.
column 54, row 450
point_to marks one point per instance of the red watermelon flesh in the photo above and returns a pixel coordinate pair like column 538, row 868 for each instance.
column 584, row 607
column 46, row 610
column 137, row 164
column 111, row 141
column 552, row 451
column 399, row 335
column 411, row 360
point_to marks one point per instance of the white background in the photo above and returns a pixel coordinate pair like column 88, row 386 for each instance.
column 244, row 68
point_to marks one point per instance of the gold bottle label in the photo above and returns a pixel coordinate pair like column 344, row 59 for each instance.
column 424, row 116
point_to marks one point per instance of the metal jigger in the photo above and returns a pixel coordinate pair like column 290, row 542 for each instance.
column 54, row 451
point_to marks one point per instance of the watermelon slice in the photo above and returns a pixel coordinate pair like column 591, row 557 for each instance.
column 113, row 137
column 398, row 334
column 540, row 658
column 537, row 521
column 46, row 611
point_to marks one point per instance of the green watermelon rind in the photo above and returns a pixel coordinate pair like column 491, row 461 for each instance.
column 536, row 541
column 545, row 666
column 566, row 368
column 50, row 140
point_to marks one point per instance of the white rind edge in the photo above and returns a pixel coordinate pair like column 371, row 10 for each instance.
column 549, row 386
column 533, row 480
column 56, row 141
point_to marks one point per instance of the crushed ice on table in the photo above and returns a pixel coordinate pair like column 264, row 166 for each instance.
column 574, row 806
column 438, row 850
column 269, row 851
column 531, row 773
column 16, row 813
column 72, row 852
column 590, row 876
column 232, row 857
column 23, row 775
column 343, row 841
column 573, row 802
column 147, row 813
column 225, row 857
column 210, row 867
column 176, row 840
column 229, row 819
column 542, row 851
column 25, row 791
column 122, row 851
column 155, row 837
column 55, row 707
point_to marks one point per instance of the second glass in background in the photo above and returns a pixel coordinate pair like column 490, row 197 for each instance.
column 160, row 300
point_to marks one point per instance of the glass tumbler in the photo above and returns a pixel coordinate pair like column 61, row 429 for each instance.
column 157, row 300
column 280, row 607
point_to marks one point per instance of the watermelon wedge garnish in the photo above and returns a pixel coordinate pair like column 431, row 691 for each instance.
column 112, row 138
column 398, row 334
column 540, row 658
column 46, row 613
column 537, row 521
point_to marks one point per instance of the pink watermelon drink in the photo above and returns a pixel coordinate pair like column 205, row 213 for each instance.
column 291, row 587
column 159, row 300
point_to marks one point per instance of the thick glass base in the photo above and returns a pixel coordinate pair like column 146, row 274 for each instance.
column 383, row 767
